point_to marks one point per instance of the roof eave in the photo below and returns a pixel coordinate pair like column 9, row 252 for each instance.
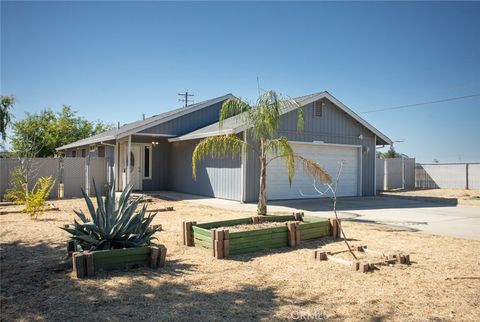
column 87, row 142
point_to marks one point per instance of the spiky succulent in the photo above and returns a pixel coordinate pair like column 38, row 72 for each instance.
column 112, row 226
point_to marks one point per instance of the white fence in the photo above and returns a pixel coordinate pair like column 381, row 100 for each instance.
column 71, row 172
column 450, row 176
column 395, row 173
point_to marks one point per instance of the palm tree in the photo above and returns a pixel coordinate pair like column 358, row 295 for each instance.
column 6, row 103
column 262, row 121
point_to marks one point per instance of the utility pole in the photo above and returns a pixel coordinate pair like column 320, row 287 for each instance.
column 185, row 98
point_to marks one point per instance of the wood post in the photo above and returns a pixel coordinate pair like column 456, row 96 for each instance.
column 298, row 216
column 335, row 231
column 221, row 243
column 90, row 269
column 79, row 268
column 163, row 255
column 188, row 232
column 71, row 247
column 293, row 233
column 218, row 245
column 226, row 243
column 154, row 255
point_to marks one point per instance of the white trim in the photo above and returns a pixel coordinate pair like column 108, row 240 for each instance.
column 86, row 142
column 243, row 170
column 151, row 134
column 326, row 144
column 375, row 168
column 202, row 135
column 107, row 144
column 360, row 171
column 149, row 145
column 186, row 111
column 116, row 169
column 129, row 159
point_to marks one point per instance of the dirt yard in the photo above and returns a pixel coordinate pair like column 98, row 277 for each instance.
column 442, row 284
column 461, row 196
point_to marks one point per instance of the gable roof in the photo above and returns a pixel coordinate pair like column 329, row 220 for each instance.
column 137, row 126
column 234, row 125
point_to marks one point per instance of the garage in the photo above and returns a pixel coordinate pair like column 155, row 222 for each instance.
column 328, row 156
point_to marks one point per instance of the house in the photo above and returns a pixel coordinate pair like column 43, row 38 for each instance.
column 161, row 149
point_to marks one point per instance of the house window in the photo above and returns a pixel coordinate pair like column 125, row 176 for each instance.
column 74, row 153
column 318, row 109
column 92, row 148
column 84, row 152
column 101, row 151
column 147, row 162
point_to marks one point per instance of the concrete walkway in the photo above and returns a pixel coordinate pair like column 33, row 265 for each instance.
column 436, row 216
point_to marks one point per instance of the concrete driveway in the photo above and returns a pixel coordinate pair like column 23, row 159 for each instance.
column 436, row 216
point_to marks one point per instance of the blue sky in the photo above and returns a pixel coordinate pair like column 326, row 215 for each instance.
column 114, row 61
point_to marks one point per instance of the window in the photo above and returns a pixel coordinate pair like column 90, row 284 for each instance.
column 318, row 109
column 147, row 162
column 84, row 152
column 74, row 153
column 101, row 151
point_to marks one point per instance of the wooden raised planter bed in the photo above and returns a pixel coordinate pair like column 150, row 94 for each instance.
column 216, row 237
column 88, row 262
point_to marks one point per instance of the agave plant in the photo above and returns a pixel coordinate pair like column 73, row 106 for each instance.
column 112, row 226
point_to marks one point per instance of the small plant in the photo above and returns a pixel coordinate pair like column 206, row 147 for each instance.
column 112, row 226
column 35, row 199
column 17, row 192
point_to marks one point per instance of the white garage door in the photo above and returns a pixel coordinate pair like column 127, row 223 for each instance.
column 328, row 157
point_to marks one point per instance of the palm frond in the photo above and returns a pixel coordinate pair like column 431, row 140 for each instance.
column 233, row 107
column 280, row 148
column 290, row 103
column 216, row 147
column 314, row 169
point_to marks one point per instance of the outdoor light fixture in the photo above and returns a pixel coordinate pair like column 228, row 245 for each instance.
column 154, row 143
column 360, row 136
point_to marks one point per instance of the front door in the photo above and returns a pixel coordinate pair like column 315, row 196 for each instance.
column 135, row 166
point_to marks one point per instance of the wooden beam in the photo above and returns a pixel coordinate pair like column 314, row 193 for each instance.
column 154, row 254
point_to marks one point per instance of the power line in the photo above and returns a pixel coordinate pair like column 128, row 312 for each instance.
column 185, row 98
column 420, row 104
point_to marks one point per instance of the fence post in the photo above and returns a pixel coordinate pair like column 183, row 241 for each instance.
column 385, row 174
column 87, row 175
column 466, row 174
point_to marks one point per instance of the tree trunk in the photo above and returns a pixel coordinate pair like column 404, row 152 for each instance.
column 262, row 194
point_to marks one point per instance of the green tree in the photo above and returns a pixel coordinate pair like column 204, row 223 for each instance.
column 262, row 121
column 48, row 130
column 6, row 104
column 391, row 153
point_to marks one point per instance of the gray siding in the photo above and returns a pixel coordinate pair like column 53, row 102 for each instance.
column 160, row 162
column 189, row 122
column 334, row 126
column 219, row 178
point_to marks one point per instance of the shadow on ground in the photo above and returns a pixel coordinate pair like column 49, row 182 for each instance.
column 365, row 203
column 306, row 244
column 36, row 285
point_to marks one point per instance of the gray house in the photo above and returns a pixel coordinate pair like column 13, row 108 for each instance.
column 155, row 153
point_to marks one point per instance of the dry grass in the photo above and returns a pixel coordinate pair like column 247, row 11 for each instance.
column 248, row 227
column 36, row 283
column 461, row 196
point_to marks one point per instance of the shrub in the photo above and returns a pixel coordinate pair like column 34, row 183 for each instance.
column 112, row 226
column 17, row 188
column 35, row 201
